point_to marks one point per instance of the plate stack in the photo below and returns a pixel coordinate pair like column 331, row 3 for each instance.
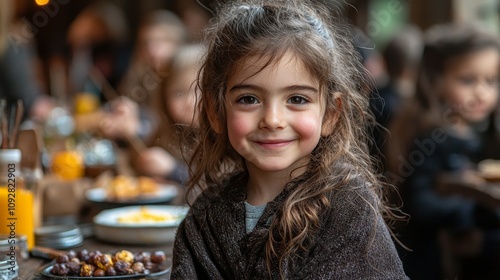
column 8, row 268
column 19, row 243
column 58, row 236
column 9, row 258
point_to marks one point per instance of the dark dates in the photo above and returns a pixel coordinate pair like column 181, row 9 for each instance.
column 142, row 257
column 138, row 267
column 62, row 259
column 59, row 269
column 99, row 272
column 110, row 271
column 73, row 268
column 158, row 257
column 122, row 267
column 96, row 264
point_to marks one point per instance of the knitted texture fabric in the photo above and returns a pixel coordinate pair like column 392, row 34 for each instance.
column 353, row 241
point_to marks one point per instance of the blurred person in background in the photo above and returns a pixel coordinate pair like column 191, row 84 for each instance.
column 17, row 70
column 160, row 34
column 434, row 134
column 402, row 57
column 195, row 14
column 100, row 57
column 370, row 57
column 98, row 40
column 176, row 108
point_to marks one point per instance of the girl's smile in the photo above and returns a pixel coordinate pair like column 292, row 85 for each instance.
column 273, row 144
column 274, row 114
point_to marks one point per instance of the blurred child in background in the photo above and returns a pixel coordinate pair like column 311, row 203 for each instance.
column 160, row 34
column 457, row 87
column 176, row 107
column 402, row 56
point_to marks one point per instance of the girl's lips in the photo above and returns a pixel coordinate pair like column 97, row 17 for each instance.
column 273, row 143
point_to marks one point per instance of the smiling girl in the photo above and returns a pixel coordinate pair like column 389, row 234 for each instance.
column 288, row 190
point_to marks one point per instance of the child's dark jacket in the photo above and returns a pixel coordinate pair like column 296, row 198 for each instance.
column 352, row 243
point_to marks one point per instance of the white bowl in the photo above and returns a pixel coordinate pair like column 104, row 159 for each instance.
column 107, row 227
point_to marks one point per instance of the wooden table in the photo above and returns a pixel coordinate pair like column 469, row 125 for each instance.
column 29, row 268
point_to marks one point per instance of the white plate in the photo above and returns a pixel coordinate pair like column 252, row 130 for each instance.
column 107, row 227
column 164, row 194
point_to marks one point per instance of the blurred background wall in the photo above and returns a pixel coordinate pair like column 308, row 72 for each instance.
column 46, row 22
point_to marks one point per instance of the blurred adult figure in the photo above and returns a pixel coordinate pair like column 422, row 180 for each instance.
column 98, row 39
column 17, row 74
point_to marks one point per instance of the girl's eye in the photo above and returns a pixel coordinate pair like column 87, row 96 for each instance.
column 467, row 80
column 297, row 100
column 248, row 99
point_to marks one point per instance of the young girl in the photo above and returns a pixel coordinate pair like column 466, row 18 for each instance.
column 289, row 192
column 457, row 89
column 176, row 109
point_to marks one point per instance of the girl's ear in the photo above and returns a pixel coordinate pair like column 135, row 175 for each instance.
column 331, row 117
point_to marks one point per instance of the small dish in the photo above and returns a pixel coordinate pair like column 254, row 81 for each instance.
column 165, row 194
column 58, row 236
column 108, row 228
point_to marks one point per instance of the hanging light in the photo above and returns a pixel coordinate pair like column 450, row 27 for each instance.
column 42, row 2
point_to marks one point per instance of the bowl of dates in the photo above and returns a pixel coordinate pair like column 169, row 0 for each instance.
column 121, row 264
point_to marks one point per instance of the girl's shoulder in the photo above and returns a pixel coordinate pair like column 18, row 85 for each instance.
column 356, row 196
column 230, row 191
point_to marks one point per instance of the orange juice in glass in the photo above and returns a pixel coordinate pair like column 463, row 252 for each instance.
column 16, row 213
column 16, row 203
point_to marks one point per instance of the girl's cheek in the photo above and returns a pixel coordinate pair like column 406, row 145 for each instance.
column 239, row 125
column 308, row 126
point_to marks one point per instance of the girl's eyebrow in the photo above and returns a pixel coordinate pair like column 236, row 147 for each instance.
column 289, row 88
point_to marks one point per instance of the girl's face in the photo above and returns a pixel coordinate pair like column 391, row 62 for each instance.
column 160, row 43
column 470, row 84
column 181, row 97
column 274, row 117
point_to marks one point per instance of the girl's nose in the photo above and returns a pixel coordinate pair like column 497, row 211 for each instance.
column 273, row 118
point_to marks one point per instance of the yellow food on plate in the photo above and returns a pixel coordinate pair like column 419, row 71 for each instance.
column 129, row 188
column 144, row 215
column 489, row 169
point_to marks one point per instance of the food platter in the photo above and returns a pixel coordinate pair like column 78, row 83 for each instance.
column 107, row 225
column 160, row 273
column 164, row 194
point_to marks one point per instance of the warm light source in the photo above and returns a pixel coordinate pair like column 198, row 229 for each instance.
column 42, row 2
